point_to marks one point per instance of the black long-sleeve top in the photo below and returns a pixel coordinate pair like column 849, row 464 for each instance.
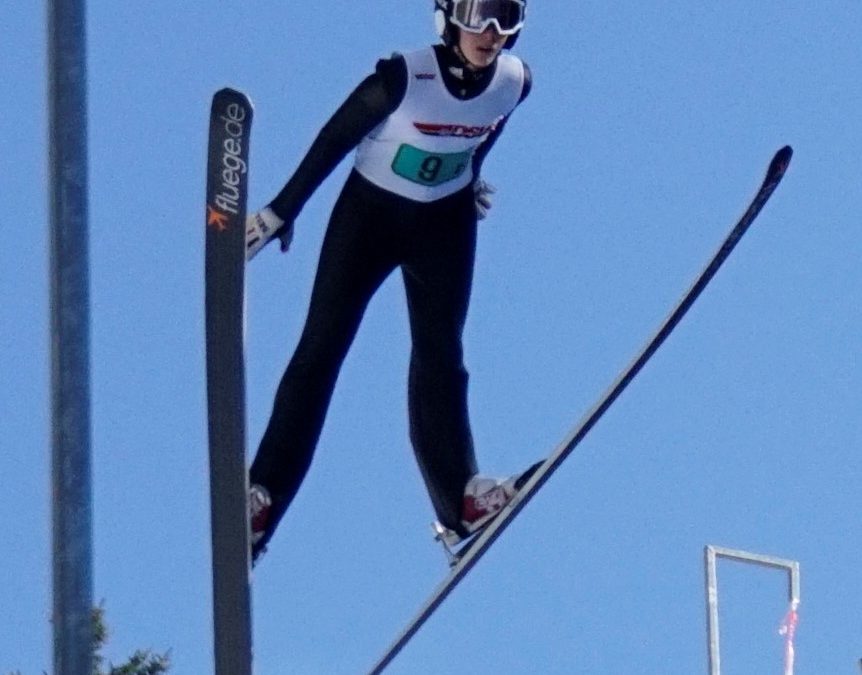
column 377, row 97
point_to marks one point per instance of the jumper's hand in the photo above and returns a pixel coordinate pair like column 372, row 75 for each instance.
column 261, row 228
column 483, row 192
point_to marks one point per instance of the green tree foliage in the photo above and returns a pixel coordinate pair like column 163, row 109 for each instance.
column 142, row 662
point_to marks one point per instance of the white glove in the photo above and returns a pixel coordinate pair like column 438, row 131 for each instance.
column 261, row 228
column 483, row 192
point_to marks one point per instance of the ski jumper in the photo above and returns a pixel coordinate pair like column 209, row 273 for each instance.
column 422, row 127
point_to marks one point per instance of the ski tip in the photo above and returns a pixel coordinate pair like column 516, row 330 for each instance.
column 231, row 94
column 779, row 164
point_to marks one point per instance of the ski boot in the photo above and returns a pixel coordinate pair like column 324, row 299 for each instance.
column 259, row 506
column 484, row 498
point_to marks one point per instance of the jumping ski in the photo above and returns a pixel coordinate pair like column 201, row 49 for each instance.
column 227, row 190
column 469, row 554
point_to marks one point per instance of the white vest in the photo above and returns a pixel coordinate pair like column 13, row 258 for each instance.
column 424, row 149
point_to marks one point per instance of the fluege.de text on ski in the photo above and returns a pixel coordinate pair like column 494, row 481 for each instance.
column 233, row 165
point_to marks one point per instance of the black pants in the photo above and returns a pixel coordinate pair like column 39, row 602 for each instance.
column 371, row 232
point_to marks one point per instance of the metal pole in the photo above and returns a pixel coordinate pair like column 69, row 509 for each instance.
column 712, row 611
column 70, row 340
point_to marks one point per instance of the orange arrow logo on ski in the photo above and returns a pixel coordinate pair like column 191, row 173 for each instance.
column 216, row 218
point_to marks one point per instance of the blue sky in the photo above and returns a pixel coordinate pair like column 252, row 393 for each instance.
column 648, row 129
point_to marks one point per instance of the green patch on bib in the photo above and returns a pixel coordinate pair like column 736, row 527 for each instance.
column 429, row 168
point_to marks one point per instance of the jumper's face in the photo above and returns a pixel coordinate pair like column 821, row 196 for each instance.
column 480, row 49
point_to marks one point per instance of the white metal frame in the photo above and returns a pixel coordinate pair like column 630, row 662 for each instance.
column 711, row 555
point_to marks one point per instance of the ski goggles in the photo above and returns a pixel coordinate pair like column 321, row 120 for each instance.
column 475, row 16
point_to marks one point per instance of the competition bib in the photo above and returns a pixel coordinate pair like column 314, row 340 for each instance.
column 429, row 168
